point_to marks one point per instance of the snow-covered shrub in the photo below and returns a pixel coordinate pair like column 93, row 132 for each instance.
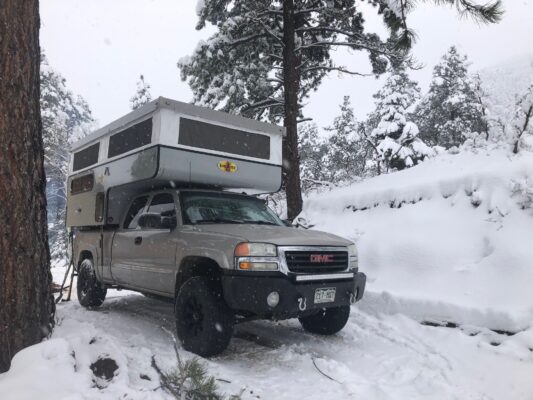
column 189, row 381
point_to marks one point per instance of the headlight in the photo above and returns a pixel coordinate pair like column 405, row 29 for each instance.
column 256, row 257
column 255, row 250
column 352, row 256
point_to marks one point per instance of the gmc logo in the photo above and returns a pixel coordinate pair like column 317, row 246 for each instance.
column 321, row 258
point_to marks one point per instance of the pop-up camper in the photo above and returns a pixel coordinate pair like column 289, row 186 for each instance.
column 167, row 143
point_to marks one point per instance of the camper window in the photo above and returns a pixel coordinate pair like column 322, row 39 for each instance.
column 135, row 211
column 82, row 184
column 214, row 137
column 132, row 138
column 86, row 157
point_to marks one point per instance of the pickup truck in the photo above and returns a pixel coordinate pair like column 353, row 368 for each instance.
column 222, row 258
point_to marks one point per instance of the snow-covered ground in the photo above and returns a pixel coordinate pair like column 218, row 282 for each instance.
column 376, row 356
column 449, row 239
column 446, row 241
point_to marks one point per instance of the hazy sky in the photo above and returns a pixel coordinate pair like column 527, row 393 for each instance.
column 102, row 46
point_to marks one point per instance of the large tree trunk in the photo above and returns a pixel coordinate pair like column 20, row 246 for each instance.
column 26, row 303
column 291, row 84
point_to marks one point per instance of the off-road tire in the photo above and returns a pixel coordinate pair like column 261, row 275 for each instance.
column 90, row 292
column 204, row 322
column 327, row 321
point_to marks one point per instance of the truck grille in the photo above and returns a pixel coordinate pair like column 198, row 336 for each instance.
column 316, row 261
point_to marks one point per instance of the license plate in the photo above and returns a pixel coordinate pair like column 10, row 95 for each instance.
column 326, row 295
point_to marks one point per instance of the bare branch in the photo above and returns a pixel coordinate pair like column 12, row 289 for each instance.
column 348, row 44
column 328, row 29
column 339, row 69
column 246, row 39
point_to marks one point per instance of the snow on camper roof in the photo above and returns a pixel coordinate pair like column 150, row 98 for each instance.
column 176, row 124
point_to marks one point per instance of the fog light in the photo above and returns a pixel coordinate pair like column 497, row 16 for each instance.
column 273, row 299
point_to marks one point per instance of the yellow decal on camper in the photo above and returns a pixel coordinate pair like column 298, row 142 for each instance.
column 227, row 166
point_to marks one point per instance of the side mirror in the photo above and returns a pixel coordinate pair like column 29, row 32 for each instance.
column 150, row 220
column 157, row 221
column 168, row 222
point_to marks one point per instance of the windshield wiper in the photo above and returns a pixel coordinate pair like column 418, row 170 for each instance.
column 219, row 221
column 249, row 221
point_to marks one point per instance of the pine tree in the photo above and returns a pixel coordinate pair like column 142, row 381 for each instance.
column 395, row 138
column 521, row 127
column 312, row 150
column 26, row 303
column 142, row 96
column 65, row 118
column 452, row 111
column 267, row 56
column 347, row 149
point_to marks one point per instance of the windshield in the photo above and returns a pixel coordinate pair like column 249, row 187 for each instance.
column 224, row 208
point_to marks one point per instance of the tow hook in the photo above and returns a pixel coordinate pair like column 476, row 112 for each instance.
column 302, row 303
column 353, row 297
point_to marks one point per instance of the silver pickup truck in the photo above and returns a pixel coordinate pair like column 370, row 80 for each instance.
column 223, row 258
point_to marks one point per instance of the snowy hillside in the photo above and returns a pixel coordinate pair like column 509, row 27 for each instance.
column 502, row 83
column 449, row 239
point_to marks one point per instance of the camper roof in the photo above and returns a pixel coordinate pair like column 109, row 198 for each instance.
column 186, row 109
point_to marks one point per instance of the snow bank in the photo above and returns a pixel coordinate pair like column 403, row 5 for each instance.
column 60, row 368
column 449, row 239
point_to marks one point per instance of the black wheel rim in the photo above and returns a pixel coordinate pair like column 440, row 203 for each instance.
column 193, row 316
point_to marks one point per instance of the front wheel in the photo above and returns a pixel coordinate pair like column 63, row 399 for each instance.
column 90, row 292
column 327, row 321
column 204, row 322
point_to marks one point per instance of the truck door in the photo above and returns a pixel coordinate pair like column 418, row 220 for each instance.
column 155, row 248
column 124, row 258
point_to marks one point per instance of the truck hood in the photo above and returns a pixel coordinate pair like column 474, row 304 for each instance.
column 278, row 235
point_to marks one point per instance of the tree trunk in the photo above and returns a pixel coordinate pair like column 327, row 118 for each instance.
column 26, row 303
column 291, row 84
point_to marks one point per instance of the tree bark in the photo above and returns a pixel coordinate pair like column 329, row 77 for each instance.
column 26, row 303
column 291, row 84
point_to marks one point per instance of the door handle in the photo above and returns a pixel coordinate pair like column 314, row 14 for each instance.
column 138, row 240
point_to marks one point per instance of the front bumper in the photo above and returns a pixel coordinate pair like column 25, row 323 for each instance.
column 247, row 293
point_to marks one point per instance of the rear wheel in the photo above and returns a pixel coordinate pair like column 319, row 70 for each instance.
column 204, row 322
column 327, row 321
column 90, row 292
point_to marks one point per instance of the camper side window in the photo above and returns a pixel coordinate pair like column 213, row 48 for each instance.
column 82, row 184
column 135, row 211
